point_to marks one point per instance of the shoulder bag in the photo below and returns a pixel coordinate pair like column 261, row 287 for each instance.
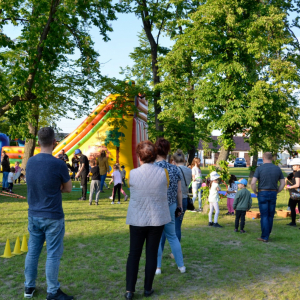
column 190, row 204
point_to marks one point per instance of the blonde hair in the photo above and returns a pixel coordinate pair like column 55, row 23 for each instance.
column 196, row 160
column 178, row 156
column 116, row 166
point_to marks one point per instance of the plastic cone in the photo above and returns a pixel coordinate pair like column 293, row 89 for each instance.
column 7, row 251
column 17, row 250
column 24, row 247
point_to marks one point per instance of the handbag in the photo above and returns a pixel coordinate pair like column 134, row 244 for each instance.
column 190, row 204
column 295, row 195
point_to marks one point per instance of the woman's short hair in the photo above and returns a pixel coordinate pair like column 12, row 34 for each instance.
column 178, row 156
column 163, row 147
column 146, row 151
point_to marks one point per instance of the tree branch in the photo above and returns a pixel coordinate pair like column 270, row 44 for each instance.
column 17, row 19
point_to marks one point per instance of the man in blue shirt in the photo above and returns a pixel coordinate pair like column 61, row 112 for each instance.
column 47, row 177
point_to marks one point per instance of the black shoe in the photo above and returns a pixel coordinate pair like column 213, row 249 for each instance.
column 235, row 230
column 228, row 213
column 148, row 293
column 242, row 231
column 128, row 295
column 96, row 203
column 217, row 225
column 81, row 199
column 29, row 292
column 60, row 295
column 292, row 224
column 101, row 191
column 210, row 223
column 90, row 203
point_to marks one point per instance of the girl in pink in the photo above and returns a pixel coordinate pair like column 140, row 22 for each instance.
column 17, row 172
column 232, row 189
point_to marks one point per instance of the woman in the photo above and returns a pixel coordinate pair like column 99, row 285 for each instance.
column 175, row 204
column 104, row 168
column 147, row 214
column 186, row 178
column 197, row 179
column 5, row 169
column 293, row 184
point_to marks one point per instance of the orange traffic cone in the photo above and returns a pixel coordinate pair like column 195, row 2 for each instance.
column 7, row 251
column 17, row 250
column 24, row 247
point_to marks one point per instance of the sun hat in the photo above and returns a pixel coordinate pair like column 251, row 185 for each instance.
column 77, row 151
column 295, row 161
column 214, row 175
column 242, row 181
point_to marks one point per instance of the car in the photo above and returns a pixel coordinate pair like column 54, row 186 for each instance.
column 240, row 162
column 260, row 162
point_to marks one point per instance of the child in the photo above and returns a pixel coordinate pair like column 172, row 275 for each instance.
column 242, row 203
column 196, row 182
column 122, row 191
column 11, row 179
column 117, row 180
column 17, row 172
column 95, row 183
column 232, row 189
column 214, row 199
column 23, row 177
column 123, row 173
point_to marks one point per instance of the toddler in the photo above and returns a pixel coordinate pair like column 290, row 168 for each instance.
column 214, row 199
column 123, row 173
column 10, row 179
column 242, row 203
column 232, row 189
column 117, row 180
column 17, row 172
column 95, row 183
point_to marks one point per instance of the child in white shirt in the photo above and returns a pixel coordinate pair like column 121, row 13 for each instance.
column 214, row 199
column 11, row 179
column 232, row 189
column 117, row 180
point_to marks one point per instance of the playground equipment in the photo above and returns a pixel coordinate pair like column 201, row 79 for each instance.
column 4, row 140
column 16, row 153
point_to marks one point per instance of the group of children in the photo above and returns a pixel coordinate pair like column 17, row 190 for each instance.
column 238, row 200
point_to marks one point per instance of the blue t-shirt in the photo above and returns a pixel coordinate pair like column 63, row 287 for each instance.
column 174, row 177
column 44, row 176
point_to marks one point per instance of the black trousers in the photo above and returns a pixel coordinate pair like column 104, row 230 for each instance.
column 10, row 186
column 240, row 214
column 138, row 235
column 292, row 205
column 84, row 184
column 117, row 188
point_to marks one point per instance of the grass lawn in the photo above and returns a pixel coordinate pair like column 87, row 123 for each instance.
column 221, row 264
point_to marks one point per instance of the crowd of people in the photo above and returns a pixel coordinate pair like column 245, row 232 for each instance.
column 159, row 197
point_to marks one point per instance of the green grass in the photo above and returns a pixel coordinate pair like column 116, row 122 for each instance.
column 220, row 264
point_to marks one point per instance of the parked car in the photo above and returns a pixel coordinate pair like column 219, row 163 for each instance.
column 240, row 162
column 260, row 162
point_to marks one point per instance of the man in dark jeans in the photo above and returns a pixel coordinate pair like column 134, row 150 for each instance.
column 83, row 172
column 268, row 176
column 45, row 214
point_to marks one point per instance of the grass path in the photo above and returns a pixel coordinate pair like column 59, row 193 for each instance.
column 220, row 264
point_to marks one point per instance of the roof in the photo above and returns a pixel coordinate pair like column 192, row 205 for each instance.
column 240, row 144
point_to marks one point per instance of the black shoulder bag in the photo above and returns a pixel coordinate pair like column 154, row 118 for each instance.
column 190, row 204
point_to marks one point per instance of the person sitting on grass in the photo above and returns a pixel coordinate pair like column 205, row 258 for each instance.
column 242, row 203
column 214, row 199
column 11, row 179
column 95, row 183
column 117, row 180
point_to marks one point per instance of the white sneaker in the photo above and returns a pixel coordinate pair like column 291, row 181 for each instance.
column 158, row 272
column 182, row 269
column 119, row 202
column 110, row 197
column 113, row 202
column 126, row 197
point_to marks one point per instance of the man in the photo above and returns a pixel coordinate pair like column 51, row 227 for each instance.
column 47, row 177
column 83, row 172
column 268, row 176
column 63, row 156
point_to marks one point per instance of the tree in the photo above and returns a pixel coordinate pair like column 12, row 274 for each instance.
column 114, row 136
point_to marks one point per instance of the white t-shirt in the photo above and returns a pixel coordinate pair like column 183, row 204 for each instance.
column 197, row 173
column 213, row 193
column 233, row 187
column 10, row 178
column 117, row 177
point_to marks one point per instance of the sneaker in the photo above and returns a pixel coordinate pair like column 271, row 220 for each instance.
column 235, row 230
column 158, row 272
column 182, row 269
column 112, row 202
column 292, row 224
column 242, row 231
column 232, row 213
column 126, row 197
column 29, row 292
column 110, row 197
column 199, row 210
column 210, row 223
column 101, row 191
column 217, row 225
column 96, row 203
column 228, row 213
column 60, row 295
column 90, row 203
column 119, row 202
column 81, row 199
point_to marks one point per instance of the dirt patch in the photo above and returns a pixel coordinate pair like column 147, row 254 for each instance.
column 81, row 246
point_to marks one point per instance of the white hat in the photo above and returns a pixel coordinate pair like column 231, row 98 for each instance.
column 295, row 161
column 214, row 175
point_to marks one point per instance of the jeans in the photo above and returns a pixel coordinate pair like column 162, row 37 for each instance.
column 102, row 179
column 178, row 221
column 195, row 188
column 170, row 234
column 4, row 180
column 240, row 214
column 52, row 231
column 138, row 235
column 267, row 204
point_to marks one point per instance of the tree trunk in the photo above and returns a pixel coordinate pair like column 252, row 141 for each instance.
column 223, row 155
column 117, row 155
column 254, row 164
column 191, row 154
column 30, row 143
